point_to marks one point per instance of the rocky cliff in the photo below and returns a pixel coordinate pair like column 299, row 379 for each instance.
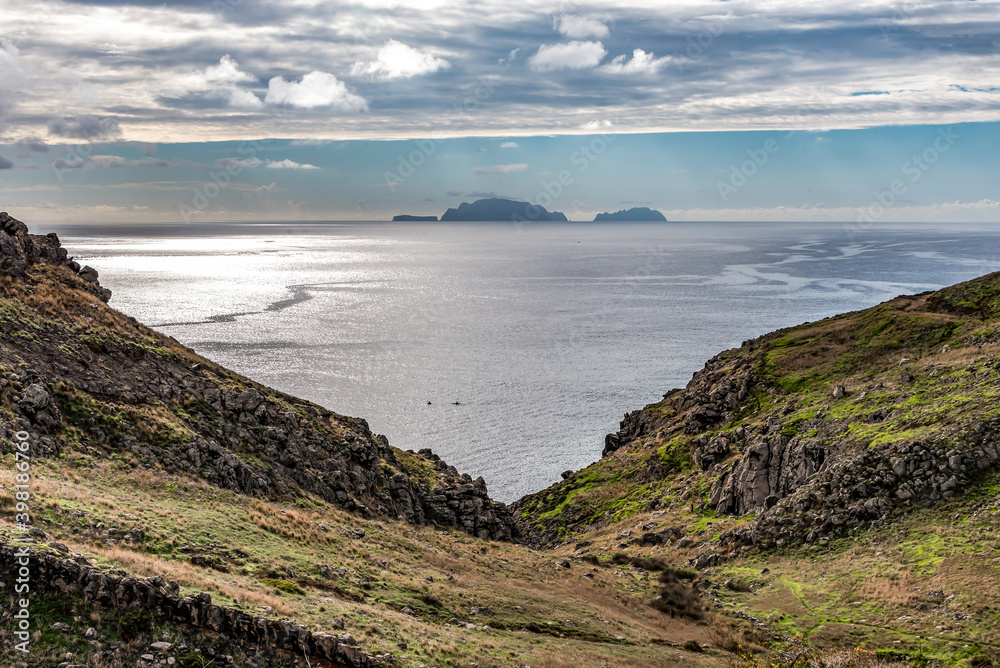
column 808, row 433
column 89, row 379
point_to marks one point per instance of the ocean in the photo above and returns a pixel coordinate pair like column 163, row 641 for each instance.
column 509, row 351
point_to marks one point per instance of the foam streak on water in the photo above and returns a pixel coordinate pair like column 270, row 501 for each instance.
column 544, row 336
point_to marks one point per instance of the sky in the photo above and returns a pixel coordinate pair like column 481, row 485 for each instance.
column 212, row 110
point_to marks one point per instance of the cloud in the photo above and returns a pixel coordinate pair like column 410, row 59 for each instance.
column 500, row 169
column 567, row 56
column 509, row 58
column 317, row 89
column 399, row 61
column 241, row 163
column 150, row 161
column 509, row 144
column 288, row 164
column 101, row 161
column 597, row 125
column 25, row 147
column 86, row 127
column 580, row 27
column 641, row 63
column 454, row 193
column 12, row 79
column 74, row 162
column 217, row 82
column 227, row 72
column 250, row 163
column 5, row 163
column 237, row 97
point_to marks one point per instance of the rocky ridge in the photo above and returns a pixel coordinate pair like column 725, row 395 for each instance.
column 88, row 379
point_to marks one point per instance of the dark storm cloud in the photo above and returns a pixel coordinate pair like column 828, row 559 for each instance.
column 5, row 163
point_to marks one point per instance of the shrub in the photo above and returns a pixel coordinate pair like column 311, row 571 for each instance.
column 134, row 623
column 284, row 585
column 678, row 599
column 692, row 646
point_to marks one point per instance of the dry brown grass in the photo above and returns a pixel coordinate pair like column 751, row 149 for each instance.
column 146, row 565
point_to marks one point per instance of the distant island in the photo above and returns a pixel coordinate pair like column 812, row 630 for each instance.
column 639, row 214
column 497, row 209
column 407, row 218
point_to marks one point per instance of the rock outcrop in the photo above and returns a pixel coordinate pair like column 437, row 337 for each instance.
column 19, row 250
column 67, row 575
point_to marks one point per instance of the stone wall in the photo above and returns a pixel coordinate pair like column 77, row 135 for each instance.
column 64, row 575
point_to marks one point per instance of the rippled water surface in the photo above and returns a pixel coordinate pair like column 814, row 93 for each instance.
column 509, row 352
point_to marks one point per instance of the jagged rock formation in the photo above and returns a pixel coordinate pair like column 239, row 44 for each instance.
column 85, row 377
column 69, row 575
column 815, row 432
column 638, row 214
column 19, row 250
column 498, row 209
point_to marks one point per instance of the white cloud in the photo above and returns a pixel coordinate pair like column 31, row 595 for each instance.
column 317, row 89
column 227, row 71
column 399, row 61
column 288, row 164
column 219, row 81
column 509, row 58
column 596, row 125
column 641, row 63
column 500, row 169
column 242, row 163
column 570, row 55
column 238, row 97
column 581, row 27
column 510, row 144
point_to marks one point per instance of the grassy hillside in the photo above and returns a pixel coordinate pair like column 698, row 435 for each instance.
column 853, row 460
